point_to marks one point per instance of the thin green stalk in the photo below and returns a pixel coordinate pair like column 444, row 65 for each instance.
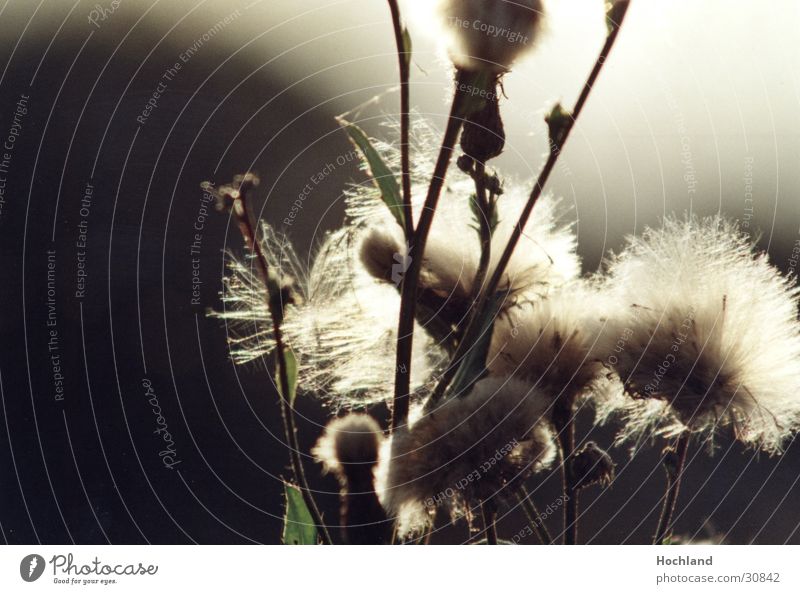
column 247, row 229
column 404, row 61
column 534, row 517
column 408, row 294
column 674, row 476
column 564, row 423
column 470, row 336
column 489, row 513
column 485, row 205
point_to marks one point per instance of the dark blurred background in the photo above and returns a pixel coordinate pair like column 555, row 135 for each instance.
column 697, row 110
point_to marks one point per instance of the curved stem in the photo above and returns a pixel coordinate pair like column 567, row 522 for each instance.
column 404, row 59
column 408, row 294
column 485, row 229
column 555, row 152
column 287, row 412
column 470, row 336
column 674, row 469
column 534, row 517
column 489, row 513
column 564, row 422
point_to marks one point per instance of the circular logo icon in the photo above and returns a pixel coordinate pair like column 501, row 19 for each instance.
column 31, row 567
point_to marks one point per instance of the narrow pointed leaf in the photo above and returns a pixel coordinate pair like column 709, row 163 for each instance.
column 291, row 370
column 557, row 121
column 473, row 366
column 298, row 525
column 407, row 46
column 381, row 174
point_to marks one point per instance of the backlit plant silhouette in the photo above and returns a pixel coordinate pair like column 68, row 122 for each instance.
column 458, row 300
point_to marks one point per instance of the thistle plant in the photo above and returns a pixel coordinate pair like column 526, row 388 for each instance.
column 455, row 297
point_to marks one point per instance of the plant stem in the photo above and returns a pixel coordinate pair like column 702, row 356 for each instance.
column 247, row 229
column 485, row 228
column 470, row 335
column 534, row 517
column 555, row 152
column 484, row 206
column 564, row 422
column 674, row 476
column 404, row 59
column 408, row 295
column 489, row 512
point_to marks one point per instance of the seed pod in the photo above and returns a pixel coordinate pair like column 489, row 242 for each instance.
column 592, row 465
column 483, row 137
column 490, row 34
column 349, row 449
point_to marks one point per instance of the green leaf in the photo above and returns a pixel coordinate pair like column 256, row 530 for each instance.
column 298, row 525
column 276, row 305
column 475, row 87
column 473, row 366
column 480, row 217
column 407, row 47
column 477, row 213
column 291, row 370
column 494, row 217
column 382, row 176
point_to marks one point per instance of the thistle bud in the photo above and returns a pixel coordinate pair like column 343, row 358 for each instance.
column 592, row 465
column 349, row 449
column 557, row 124
column 490, row 34
column 483, row 137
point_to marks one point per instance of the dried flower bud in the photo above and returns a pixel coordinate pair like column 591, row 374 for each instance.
column 381, row 252
column 557, row 121
column 670, row 460
column 349, row 449
column 230, row 196
column 592, row 465
column 465, row 163
column 483, row 137
column 490, row 34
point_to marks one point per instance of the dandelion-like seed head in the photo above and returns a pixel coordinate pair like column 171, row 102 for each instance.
column 551, row 343
column 352, row 440
column 545, row 257
column 707, row 334
column 343, row 327
column 467, row 450
column 489, row 34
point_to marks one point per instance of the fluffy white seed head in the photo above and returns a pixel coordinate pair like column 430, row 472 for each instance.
column 544, row 259
column 344, row 331
column 466, row 450
column 552, row 343
column 489, row 34
column 705, row 335
column 245, row 306
column 354, row 440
